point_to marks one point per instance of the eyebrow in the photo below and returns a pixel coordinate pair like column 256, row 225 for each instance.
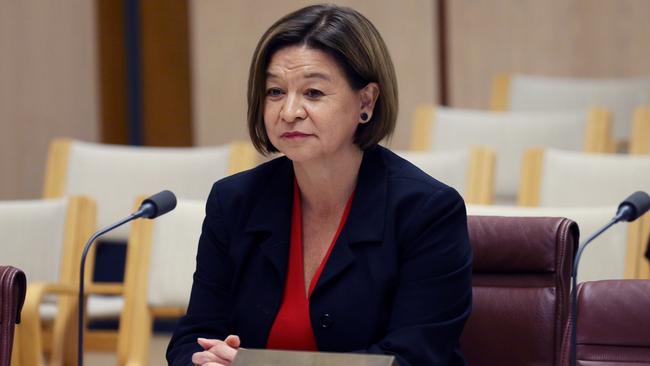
column 311, row 75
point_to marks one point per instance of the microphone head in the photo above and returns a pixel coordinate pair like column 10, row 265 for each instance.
column 158, row 204
column 634, row 206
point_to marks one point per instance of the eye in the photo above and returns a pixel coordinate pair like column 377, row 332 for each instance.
column 314, row 93
column 274, row 92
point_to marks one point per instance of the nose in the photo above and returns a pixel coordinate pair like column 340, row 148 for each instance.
column 293, row 110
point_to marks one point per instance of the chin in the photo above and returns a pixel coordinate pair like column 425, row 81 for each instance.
column 298, row 157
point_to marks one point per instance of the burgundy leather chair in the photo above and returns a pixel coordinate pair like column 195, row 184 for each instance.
column 12, row 296
column 613, row 324
column 521, row 283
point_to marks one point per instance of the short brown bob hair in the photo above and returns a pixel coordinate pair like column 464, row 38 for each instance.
column 352, row 41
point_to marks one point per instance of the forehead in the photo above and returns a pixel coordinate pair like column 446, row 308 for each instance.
column 302, row 61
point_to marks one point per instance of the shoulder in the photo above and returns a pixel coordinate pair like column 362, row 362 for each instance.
column 245, row 187
column 406, row 180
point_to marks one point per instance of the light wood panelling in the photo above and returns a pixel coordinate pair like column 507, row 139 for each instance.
column 589, row 38
column 224, row 35
column 48, row 88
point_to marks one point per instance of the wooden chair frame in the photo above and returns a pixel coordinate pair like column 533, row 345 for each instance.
column 32, row 340
column 636, row 265
column 243, row 156
column 640, row 139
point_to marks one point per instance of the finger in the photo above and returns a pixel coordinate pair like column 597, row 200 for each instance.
column 200, row 358
column 224, row 351
column 233, row 341
column 207, row 343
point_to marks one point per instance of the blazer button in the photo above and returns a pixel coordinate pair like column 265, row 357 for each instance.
column 326, row 320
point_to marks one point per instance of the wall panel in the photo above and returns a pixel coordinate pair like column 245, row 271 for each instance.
column 588, row 38
column 48, row 88
column 224, row 35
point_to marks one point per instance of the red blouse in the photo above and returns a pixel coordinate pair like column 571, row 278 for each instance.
column 292, row 329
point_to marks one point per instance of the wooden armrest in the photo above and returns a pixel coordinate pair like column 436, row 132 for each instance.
column 108, row 288
column 30, row 336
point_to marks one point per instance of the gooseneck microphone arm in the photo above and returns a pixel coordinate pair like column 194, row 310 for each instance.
column 574, row 286
column 629, row 210
column 152, row 207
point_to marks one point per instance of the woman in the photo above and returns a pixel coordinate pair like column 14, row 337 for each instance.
column 340, row 245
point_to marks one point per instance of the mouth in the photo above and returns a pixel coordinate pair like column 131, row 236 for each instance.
column 294, row 135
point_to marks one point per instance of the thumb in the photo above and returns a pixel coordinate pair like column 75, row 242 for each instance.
column 207, row 343
column 233, row 341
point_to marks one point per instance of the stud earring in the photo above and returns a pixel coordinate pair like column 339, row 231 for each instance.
column 364, row 116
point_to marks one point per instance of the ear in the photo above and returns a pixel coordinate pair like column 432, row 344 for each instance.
column 368, row 96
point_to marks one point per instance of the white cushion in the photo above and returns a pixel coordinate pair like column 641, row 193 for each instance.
column 509, row 134
column 97, row 307
column 603, row 259
column 104, row 307
column 173, row 254
column 581, row 179
column 116, row 175
column 620, row 96
column 449, row 167
column 32, row 236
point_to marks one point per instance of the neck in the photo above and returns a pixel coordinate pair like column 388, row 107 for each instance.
column 325, row 187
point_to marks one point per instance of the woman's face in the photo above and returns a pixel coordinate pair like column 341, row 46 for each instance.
column 310, row 111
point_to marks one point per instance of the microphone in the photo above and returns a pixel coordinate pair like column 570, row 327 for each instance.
column 152, row 207
column 633, row 207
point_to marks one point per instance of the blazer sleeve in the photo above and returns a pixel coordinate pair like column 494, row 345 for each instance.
column 434, row 293
column 210, row 306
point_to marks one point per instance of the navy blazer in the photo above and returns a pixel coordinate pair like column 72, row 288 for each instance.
column 398, row 280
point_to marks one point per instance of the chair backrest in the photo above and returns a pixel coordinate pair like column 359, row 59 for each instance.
column 469, row 171
column 613, row 324
column 115, row 175
column 13, row 286
column 509, row 134
column 555, row 178
column 640, row 138
column 55, row 229
column 527, row 92
column 612, row 256
column 521, row 287
column 559, row 178
column 160, row 264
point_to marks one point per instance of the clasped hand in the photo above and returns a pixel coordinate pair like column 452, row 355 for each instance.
column 216, row 352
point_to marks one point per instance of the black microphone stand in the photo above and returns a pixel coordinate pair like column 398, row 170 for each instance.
column 82, row 268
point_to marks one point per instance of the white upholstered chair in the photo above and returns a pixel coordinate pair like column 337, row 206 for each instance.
column 612, row 256
column 45, row 239
column 469, row 171
column 158, row 282
column 556, row 178
column 527, row 92
column 509, row 134
column 114, row 176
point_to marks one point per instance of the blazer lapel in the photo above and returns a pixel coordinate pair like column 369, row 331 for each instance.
column 270, row 220
column 365, row 223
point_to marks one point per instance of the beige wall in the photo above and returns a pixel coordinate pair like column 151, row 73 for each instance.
column 47, row 86
column 588, row 38
column 224, row 35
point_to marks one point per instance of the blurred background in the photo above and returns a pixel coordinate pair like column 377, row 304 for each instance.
column 173, row 73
